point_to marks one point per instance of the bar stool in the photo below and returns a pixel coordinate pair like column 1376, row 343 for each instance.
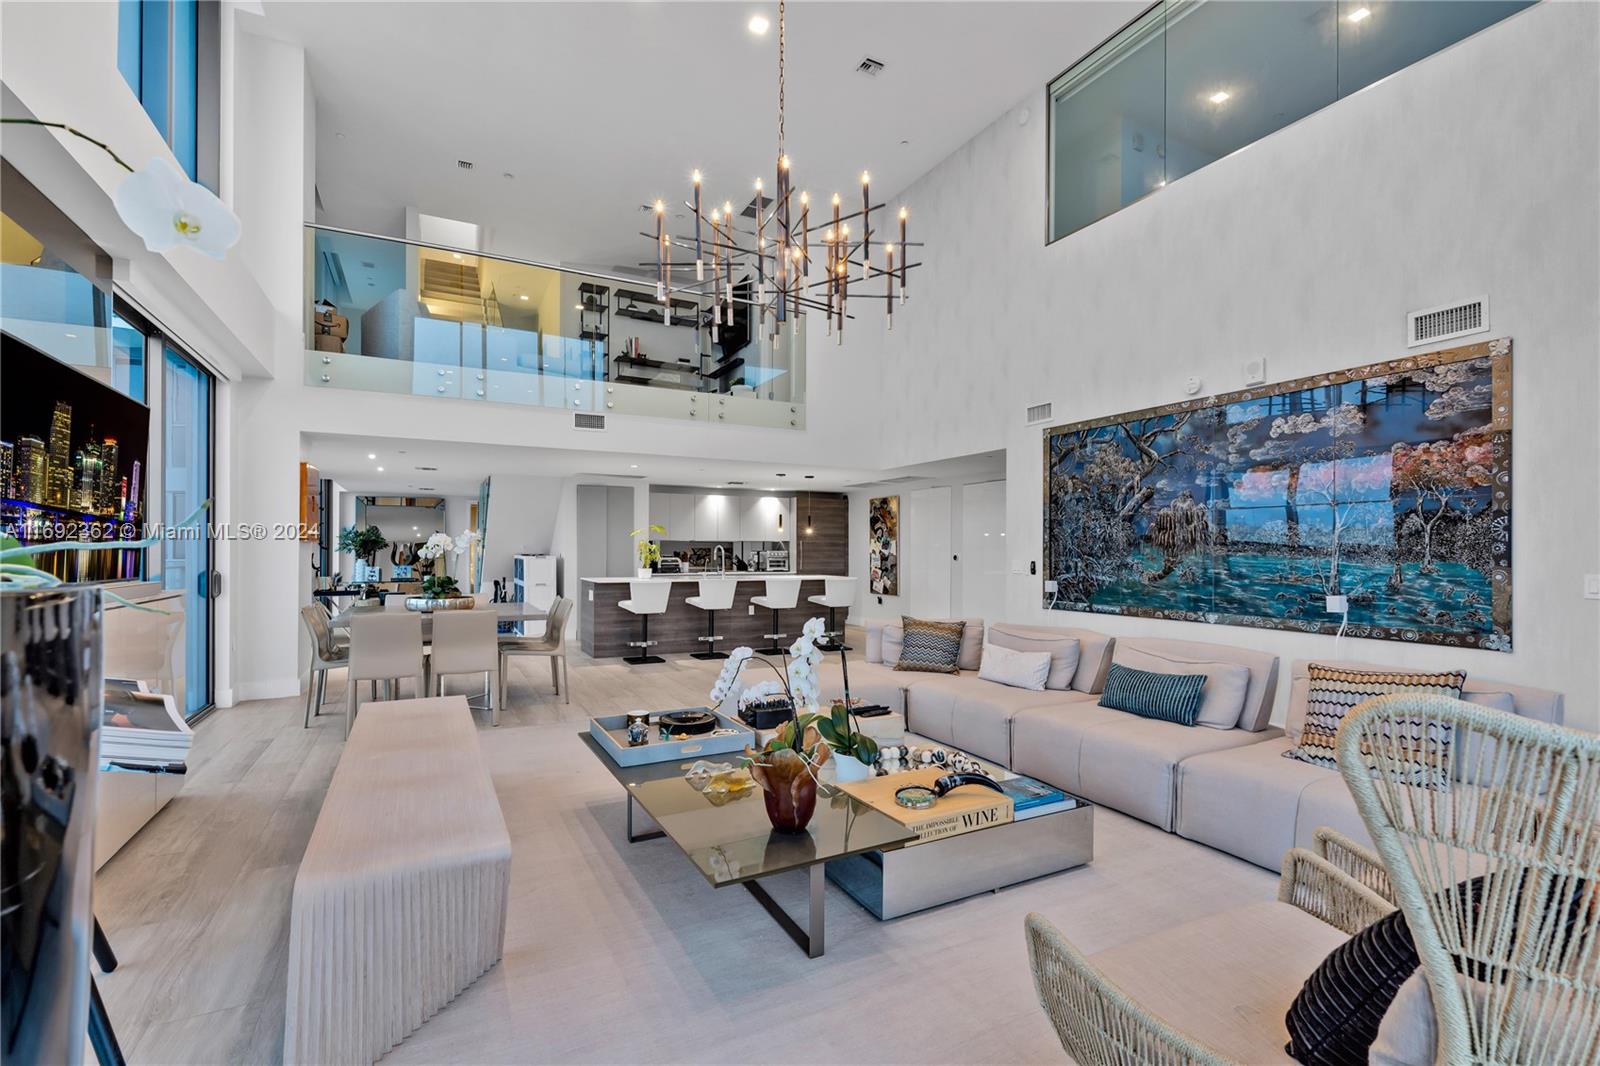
column 783, row 594
column 468, row 642
column 645, row 598
column 836, row 592
column 715, row 595
column 384, row 646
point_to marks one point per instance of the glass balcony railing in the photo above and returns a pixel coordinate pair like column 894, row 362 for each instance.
column 395, row 316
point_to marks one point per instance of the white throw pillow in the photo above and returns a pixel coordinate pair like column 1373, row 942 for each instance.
column 1063, row 650
column 1222, row 699
column 1018, row 669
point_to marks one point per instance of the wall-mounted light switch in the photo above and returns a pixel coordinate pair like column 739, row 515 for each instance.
column 1591, row 586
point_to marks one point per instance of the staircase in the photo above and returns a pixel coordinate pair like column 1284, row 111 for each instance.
column 452, row 289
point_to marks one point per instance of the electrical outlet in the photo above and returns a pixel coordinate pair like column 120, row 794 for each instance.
column 752, row 608
column 591, row 595
column 1255, row 372
column 1050, row 586
column 1591, row 586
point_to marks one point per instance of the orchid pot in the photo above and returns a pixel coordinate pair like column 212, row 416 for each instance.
column 848, row 768
column 786, row 769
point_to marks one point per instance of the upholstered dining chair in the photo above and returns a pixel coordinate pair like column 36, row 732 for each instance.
column 465, row 642
column 1488, row 825
column 552, row 644
column 326, row 653
column 384, row 646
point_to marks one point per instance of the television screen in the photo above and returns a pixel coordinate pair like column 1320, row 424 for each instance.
column 72, row 465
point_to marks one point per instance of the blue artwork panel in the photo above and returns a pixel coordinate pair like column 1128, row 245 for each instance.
column 1384, row 490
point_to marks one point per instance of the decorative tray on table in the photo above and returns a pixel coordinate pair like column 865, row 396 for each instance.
column 611, row 733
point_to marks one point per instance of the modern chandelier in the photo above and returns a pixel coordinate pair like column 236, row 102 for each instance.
column 797, row 267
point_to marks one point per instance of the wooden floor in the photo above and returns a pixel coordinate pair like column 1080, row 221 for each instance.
column 614, row 952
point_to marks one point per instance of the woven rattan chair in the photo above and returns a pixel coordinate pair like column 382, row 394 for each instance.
column 1099, row 1023
column 1516, row 978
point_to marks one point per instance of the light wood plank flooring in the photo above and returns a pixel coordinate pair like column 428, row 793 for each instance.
column 614, row 952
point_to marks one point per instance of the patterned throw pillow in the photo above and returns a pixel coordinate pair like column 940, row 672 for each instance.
column 1335, row 692
column 930, row 647
column 1164, row 697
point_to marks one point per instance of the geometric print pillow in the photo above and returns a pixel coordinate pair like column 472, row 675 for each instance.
column 1334, row 692
column 930, row 647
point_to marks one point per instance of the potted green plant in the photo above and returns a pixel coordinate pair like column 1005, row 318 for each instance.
column 649, row 551
column 364, row 544
column 854, row 753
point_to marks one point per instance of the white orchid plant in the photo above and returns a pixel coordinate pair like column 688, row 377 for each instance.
column 433, row 549
column 161, row 205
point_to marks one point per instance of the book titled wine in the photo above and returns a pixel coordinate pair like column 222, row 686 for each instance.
column 964, row 810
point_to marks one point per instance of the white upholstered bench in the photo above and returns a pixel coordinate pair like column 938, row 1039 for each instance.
column 400, row 901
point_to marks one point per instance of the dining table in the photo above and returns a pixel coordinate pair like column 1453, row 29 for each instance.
column 513, row 617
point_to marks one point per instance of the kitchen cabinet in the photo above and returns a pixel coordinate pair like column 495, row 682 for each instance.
column 759, row 518
column 711, row 518
column 681, row 524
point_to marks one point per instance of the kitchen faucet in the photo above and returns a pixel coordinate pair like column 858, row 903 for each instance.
column 720, row 557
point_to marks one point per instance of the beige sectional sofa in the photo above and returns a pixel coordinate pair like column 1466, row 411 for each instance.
column 1254, row 803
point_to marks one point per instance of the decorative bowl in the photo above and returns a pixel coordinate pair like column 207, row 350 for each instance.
column 439, row 603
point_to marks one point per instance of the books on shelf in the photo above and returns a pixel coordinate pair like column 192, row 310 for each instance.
column 142, row 729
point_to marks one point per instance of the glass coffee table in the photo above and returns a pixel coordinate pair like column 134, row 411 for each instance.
column 734, row 844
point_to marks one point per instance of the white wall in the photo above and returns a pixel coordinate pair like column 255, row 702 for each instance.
column 522, row 520
column 1474, row 171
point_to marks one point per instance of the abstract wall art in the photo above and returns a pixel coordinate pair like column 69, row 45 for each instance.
column 883, row 545
column 1387, row 484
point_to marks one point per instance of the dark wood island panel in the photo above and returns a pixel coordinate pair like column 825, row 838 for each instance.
column 605, row 628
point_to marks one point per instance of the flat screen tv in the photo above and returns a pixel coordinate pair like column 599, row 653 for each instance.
column 73, row 457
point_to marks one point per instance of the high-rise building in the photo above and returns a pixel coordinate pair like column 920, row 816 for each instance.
column 7, row 464
column 130, row 499
column 90, row 465
column 58, row 473
column 32, row 470
column 107, row 494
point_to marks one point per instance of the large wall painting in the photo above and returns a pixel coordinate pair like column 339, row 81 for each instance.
column 1389, row 484
column 883, row 545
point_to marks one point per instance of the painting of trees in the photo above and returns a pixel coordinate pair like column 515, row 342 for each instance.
column 1389, row 483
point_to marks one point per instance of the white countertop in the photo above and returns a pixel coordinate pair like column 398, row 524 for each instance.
column 740, row 575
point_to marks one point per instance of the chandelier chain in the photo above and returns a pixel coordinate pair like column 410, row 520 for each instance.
column 780, row 76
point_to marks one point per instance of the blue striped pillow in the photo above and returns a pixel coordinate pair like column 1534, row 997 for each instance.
column 1164, row 697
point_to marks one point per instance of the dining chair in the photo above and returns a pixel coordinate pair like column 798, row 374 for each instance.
column 384, row 646
column 553, row 644
column 326, row 653
column 465, row 642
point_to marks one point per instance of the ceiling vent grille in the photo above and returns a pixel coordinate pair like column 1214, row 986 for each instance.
column 583, row 420
column 427, row 468
column 869, row 66
column 463, row 164
column 1443, row 323
column 1039, row 412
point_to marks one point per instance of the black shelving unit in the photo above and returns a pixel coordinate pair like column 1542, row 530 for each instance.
column 644, row 307
column 594, row 322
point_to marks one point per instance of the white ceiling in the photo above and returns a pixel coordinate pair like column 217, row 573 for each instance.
column 598, row 107
column 462, row 467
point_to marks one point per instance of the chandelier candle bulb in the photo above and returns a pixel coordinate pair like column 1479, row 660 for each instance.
column 699, row 254
column 866, row 225
column 905, row 255
column 661, row 275
column 888, row 273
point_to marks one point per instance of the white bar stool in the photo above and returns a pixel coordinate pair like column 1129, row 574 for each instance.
column 468, row 642
column 384, row 646
column 836, row 592
column 645, row 598
column 715, row 595
column 783, row 594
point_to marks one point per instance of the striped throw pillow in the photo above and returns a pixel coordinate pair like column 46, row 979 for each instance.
column 1335, row 692
column 930, row 647
column 1164, row 697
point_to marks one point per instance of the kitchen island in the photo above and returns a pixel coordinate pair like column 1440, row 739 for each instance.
column 605, row 628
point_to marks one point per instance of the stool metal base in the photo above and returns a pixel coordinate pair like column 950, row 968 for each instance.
column 642, row 660
column 708, row 655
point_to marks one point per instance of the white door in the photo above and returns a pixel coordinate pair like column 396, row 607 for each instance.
column 925, row 541
column 682, row 525
column 983, row 550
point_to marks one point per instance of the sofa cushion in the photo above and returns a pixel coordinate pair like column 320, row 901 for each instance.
column 1335, row 691
column 873, row 682
column 1327, row 801
column 1132, row 764
column 891, row 639
column 1046, row 741
column 1237, row 1009
column 1164, row 697
column 930, row 646
column 1263, row 666
column 1226, row 683
column 1017, row 669
column 1244, row 800
column 1062, row 648
column 1093, row 651
column 976, row 716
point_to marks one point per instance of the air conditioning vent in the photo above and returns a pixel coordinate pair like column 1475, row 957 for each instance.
column 582, row 420
column 1443, row 323
column 427, row 468
column 1039, row 412
column 463, row 164
column 425, row 488
column 869, row 66
column 901, row 480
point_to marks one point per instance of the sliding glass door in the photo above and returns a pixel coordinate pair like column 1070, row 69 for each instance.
column 186, row 484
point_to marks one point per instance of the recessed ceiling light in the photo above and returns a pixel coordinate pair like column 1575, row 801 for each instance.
column 633, row 466
column 372, row 455
column 758, row 24
column 380, row 469
column 72, row 336
column 1221, row 96
column 1358, row 14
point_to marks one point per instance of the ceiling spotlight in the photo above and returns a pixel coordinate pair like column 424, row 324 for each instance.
column 1220, row 96
column 758, row 25
column 1358, row 14
column 372, row 455
column 633, row 466
column 380, row 469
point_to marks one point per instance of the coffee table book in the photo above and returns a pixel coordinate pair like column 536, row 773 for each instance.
column 964, row 810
